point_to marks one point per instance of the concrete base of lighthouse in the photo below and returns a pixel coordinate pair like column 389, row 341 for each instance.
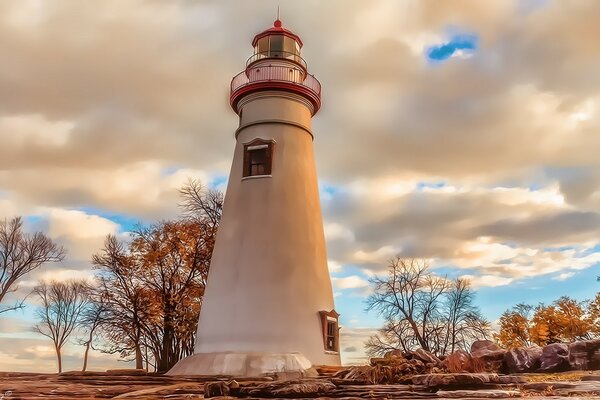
column 282, row 365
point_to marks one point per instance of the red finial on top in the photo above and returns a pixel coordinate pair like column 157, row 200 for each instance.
column 277, row 23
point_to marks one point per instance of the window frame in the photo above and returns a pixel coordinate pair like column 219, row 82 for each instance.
column 255, row 145
column 328, row 319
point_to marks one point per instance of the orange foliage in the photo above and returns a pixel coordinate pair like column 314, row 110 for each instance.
column 565, row 320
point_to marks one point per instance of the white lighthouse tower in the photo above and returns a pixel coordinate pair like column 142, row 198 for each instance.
column 268, row 306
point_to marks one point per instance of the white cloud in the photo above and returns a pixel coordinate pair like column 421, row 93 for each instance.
column 511, row 132
column 564, row 276
column 349, row 282
column 487, row 280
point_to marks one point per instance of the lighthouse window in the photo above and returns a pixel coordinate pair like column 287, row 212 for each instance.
column 331, row 342
column 257, row 158
column 331, row 330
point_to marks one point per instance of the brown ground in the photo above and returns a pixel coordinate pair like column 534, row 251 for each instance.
column 128, row 384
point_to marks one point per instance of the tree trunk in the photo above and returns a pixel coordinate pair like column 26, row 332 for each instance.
column 420, row 339
column 58, row 358
column 139, row 364
column 87, row 349
column 165, row 357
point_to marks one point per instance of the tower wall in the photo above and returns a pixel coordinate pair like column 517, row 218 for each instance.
column 269, row 278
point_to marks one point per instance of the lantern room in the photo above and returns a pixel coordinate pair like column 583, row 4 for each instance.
column 276, row 65
column 277, row 43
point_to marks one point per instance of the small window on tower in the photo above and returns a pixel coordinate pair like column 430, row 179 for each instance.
column 331, row 330
column 257, row 158
column 331, row 342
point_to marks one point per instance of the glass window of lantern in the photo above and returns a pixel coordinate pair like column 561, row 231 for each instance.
column 262, row 47
column 289, row 47
column 276, row 45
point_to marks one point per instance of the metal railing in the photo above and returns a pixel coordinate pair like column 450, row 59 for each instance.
column 276, row 73
column 284, row 55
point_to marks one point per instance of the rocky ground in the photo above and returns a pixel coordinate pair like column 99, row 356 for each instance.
column 139, row 385
column 487, row 372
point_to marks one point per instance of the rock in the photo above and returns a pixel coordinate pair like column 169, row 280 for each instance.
column 509, row 380
column 394, row 353
column 425, row 357
column 460, row 361
column 547, row 386
column 522, row 359
column 220, row 388
column 299, row 388
column 584, row 355
column 487, row 345
column 187, row 388
column 590, row 378
column 488, row 360
column 580, row 389
column 126, row 372
column 465, row 380
column 487, row 356
column 453, row 380
column 554, row 358
column 479, row 394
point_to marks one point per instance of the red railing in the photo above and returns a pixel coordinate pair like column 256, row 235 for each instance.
column 277, row 74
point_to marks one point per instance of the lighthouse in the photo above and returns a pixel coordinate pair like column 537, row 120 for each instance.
column 268, row 306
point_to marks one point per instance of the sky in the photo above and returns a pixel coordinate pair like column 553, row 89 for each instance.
column 465, row 133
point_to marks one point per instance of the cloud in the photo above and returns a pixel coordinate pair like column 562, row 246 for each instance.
column 487, row 166
column 349, row 282
column 487, row 280
column 564, row 276
column 352, row 343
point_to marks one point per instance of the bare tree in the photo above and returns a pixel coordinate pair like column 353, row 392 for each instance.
column 422, row 310
column 201, row 204
column 20, row 254
column 125, row 301
column 60, row 311
column 464, row 322
column 399, row 296
column 91, row 318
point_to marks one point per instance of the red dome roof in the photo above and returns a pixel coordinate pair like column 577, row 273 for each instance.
column 277, row 29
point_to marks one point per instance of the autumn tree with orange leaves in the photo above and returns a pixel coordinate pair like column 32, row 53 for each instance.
column 151, row 288
column 565, row 320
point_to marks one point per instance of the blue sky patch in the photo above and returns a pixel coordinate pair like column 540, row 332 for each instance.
column 464, row 42
column 125, row 222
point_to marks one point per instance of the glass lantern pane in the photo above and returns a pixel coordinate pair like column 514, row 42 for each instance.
column 263, row 46
column 289, row 46
column 276, row 45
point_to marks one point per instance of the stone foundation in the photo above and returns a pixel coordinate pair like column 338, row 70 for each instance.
column 283, row 365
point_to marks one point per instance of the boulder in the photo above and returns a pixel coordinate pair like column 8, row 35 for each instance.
column 393, row 354
column 522, row 359
column 487, row 356
column 585, row 355
column 487, row 345
column 554, row 358
column 459, row 361
column 220, row 388
column 425, row 357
